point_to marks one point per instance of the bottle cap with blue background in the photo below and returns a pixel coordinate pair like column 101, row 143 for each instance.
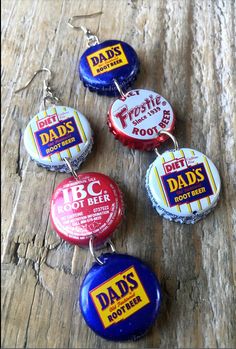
column 102, row 63
column 119, row 297
column 183, row 184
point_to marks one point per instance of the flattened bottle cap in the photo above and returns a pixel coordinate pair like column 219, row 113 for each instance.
column 120, row 299
column 183, row 185
column 91, row 206
column 136, row 119
column 101, row 64
column 57, row 133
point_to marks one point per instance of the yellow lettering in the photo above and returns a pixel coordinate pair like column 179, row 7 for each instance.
column 52, row 135
column 69, row 126
column 191, row 177
column 44, row 138
column 61, row 130
column 198, row 191
column 181, row 182
column 200, row 175
column 173, row 184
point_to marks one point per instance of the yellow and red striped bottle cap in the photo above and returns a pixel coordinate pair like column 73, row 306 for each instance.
column 57, row 133
column 183, row 185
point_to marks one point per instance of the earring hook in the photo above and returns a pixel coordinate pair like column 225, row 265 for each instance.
column 45, row 82
column 80, row 27
column 92, row 39
column 49, row 95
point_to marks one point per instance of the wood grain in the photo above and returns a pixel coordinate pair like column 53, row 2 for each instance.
column 187, row 53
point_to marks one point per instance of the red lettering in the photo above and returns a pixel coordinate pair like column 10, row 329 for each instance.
column 150, row 131
column 47, row 121
column 162, row 125
column 168, row 168
column 148, row 103
column 122, row 115
column 175, row 165
column 135, row 131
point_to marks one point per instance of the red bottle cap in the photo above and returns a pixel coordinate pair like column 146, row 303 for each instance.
column 91, row 206
column 136, row 118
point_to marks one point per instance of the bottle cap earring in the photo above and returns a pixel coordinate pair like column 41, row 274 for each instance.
column 103, row 62
column 120, row 296
column 86, row 205
column 110, row 68
column 137, row 116
column 57, row 132
column 183, row 184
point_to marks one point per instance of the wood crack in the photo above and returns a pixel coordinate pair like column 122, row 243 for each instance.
column 18, row 160
column 28, row 321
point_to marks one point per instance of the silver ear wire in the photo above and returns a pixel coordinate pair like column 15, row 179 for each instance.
column 49, row 95
column 92, row 39
column 45, row 82
column 72, row 171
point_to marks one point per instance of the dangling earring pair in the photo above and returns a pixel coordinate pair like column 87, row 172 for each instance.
column 120, row 296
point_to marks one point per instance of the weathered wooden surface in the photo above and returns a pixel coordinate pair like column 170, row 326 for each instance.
column 187, row 53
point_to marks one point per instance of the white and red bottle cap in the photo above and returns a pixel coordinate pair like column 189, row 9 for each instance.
column 89, row 206
column 136, row 118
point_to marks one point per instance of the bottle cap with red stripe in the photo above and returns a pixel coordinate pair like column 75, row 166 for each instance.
column 183, row 184
column 88, row 205
column 137, row 116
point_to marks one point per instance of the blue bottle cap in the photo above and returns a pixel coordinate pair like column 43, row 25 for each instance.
column 120, row 299
column 102, row 63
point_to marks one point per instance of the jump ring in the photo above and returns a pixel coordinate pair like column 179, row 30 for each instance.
column 93, row 253
column 119, row 88
column 74, row 174
column 169, row 135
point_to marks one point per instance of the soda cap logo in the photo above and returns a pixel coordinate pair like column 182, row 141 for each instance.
column 120, row 297
column 107, row 59
column 120, row 300
column 183, row 182
column 56, row 133
column 187, row 185
column 90, row 206
column 57, row 137
column 175, row 165
column 102, row 63
column 49, row 120
column 139, row 116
